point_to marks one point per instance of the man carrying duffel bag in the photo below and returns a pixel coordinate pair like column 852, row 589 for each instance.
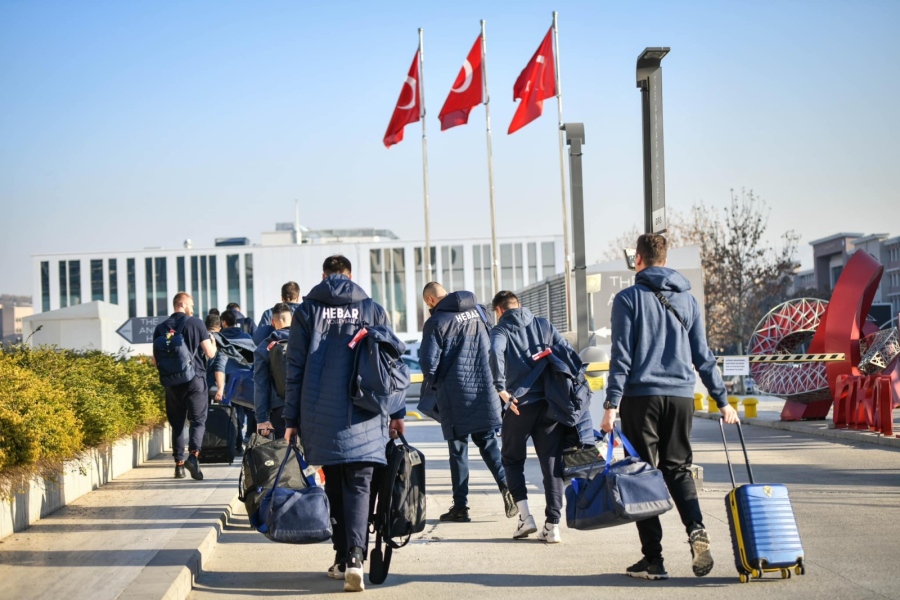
column 657, row 337
column 348, row 441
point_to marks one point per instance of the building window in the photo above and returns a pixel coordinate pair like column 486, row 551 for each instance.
column 204, row 284
column 195, row 282
column 481, row 266
column 388, row 272
column 213, row 282
column 233, row 277
column 548, row 258
column 162, row 293
column 96, row 279
column 74, row 282
column 148, row 280
column 131, row 276
column 506, row 267
column 532, row 262
column 452, row 272
column 420, row 284
column 113, row 282
column 45, row 286
column 835, row 274
column 63, row 285
column 182, row 276
column 248, row 284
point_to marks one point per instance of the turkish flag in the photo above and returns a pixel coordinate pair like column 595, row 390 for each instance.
column 536, row 83
column 407, row 109
column 467, row 91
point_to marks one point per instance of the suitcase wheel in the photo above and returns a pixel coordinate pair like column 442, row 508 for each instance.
column 785, row 573
column 756, row 574
column 800, row 569
column 744, row 577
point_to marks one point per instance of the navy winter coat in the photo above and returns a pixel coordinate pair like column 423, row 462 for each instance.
column 455, row 357
column 517, row 336
column 265, row 329
column 265, row 397
column 319, row 365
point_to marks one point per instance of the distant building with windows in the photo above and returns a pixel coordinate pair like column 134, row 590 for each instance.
column 11, row 316
column 389, row 269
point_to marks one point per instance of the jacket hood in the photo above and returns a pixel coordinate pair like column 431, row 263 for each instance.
column 235, row 333
column 337, row 290
column 457, row 302
column 663, row 279
column 279, row 335
column 240, row 316
column 516, row 318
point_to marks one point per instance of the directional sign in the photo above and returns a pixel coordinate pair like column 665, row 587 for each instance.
column 139, row 330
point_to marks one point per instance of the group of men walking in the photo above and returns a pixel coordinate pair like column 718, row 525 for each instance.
column 478, row 367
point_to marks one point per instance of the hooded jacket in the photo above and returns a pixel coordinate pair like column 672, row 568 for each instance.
column 319, row 366
column 455, row 358
column 652, row 352
column 265, row 398
column 517, row 336
column 265, row 329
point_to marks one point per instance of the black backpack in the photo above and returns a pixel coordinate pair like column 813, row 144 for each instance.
column 174, row 360
column 397, row 504
column 278, row 366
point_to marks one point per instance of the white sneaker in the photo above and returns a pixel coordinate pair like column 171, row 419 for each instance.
column 550, row 533
column 353, row 579
column 526, row 527
column 335, row 572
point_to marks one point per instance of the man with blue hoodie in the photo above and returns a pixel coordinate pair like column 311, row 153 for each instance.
column 269, row 403
column 347, row 441
column 290, row 295
column 517, row 337
column 658, row 339
column 455, row 359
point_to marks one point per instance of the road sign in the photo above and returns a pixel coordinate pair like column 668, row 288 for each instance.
column 139, row 330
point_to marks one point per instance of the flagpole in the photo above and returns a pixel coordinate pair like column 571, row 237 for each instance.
column 562, row 176
column 426, row 257
column 495, row 255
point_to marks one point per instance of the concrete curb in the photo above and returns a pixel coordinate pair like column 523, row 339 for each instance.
column 815, row 428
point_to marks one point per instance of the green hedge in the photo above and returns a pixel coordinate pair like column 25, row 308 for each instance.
column 56, row 403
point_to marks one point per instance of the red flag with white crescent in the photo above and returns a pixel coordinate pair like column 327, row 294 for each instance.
column 467, row 91
column 407, row 109
column 536, row 83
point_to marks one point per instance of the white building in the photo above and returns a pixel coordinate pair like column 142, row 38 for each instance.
column 389, row 269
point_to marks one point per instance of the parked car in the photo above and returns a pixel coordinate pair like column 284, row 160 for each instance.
column 735, row 386
column 414, row 391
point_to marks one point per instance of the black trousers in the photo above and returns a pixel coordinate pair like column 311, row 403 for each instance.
column 348, row 488
column 547, row 437
column 188, row 401
column 659, row 428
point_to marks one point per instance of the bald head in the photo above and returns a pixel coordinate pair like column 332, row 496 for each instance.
column 183, row 302
column 433, row 293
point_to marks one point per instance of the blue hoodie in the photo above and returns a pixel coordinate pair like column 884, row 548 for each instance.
column 517, row 336
column 652, row 352
column 264, row 329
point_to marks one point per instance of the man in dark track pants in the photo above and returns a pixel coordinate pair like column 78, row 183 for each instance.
column 347, row 441
column 657, row 339
column 188, row 401
column 517, row 336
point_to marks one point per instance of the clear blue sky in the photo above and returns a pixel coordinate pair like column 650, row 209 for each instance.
column 133, row 124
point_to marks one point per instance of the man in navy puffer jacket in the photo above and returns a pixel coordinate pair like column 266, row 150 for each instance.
column 518, row 336
column 455, row 359
column 657, row 340
column 347, row 441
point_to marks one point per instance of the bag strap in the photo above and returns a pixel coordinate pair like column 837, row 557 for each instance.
column 610, row 446
column 665, row 302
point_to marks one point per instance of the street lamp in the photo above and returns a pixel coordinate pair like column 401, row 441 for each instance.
column 649, row 80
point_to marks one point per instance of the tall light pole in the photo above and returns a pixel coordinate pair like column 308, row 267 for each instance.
column 575, row 140
column 649, row 80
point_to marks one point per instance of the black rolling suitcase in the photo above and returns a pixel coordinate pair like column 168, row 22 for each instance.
column 764, row 532
column 221, row 434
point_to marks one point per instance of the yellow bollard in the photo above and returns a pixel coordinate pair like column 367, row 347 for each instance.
column 750, row 408
column 698, row 401
column 733, row 401
column 713, row 408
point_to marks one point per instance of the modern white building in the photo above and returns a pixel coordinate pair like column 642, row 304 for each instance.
column 389, row 269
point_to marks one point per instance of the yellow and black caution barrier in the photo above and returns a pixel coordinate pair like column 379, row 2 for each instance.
column 788, row 358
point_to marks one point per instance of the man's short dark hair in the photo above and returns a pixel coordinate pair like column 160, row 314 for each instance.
column 281, row 307
column 213, row 311
column 233, row 306
column 229, row 318
column 653, row 249
column 505, row 300
column 213, row 321
column 290, row 292
column 431, row 288
column 337, row 264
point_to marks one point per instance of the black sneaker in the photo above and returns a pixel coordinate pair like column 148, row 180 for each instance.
column 179, row 471
column 508, row 503
column 193, row 467
column 458, row 513
column 703, row 560
column 646, row 569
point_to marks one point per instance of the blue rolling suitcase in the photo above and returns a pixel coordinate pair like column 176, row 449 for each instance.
column 764, row 532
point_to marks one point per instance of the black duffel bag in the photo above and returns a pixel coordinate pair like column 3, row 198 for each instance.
column 295, row 516
column 259, row 470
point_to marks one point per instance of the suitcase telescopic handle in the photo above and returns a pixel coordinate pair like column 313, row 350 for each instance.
column 743, row 446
